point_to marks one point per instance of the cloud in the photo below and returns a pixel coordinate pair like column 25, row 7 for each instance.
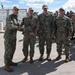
column 5, row 1
column 69, row 5
column 15, row 5
column 11, row 6
column 35, row 3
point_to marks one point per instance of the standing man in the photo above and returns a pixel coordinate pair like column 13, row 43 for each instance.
column 10, row 39
column 63, row 33
column 45, row 32
column 73, row 25
column 30, row 30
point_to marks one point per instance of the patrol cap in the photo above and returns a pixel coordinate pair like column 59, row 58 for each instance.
column 15, row 7
column 61, row 9
column 31, row 9
column 44, row 6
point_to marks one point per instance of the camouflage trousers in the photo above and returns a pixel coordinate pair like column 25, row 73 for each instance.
column 42, row 39
column 62, row 40
column 10, row 46
column 28, row 41
column 73, row 33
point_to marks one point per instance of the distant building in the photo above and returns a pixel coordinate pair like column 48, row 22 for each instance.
column 5, row 12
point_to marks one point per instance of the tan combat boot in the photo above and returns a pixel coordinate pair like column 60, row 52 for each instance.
column 8, row 68
column 67, row 59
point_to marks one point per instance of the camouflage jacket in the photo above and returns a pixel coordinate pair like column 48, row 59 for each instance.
column 11, row 27
column 46, row 23
column 30, row 24
column 62, row 26
column 73, row 23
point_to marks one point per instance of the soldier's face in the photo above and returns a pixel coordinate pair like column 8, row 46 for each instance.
column 61, row 12
column 30, row 12
column 15, row 11
column 45, row 9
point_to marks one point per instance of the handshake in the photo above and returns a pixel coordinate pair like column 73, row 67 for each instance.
column 27, row 30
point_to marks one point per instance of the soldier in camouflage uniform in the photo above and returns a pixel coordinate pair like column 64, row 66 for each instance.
column 73, row 25
column 30, row 26
column 62, row 28
column 45, row 32
column 10, row 39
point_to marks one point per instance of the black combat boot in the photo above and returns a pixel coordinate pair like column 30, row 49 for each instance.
column 25, row 59
column 58, row 58
column 48, row 58
column 67, row 59
column 41, row 58
column 31, row 60
column 8, row 68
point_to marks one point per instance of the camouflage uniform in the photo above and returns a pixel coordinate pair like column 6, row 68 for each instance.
column 73, row 26
column 30, row 24
column 10, row 38
column 45, row 32
column 63, row 31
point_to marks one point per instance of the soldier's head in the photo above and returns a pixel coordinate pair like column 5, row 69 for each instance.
column 44, row 8
column 15, row 10
column 30, row 11
column 61, row 11
column 56, row 13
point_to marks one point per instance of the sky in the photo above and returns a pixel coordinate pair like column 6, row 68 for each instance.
column 53, row 5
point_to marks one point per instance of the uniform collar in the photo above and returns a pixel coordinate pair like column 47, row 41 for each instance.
column 46, row 14
column 14, row 15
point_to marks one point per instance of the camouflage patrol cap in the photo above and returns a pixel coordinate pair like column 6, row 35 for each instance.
column 61, row 9
column 15, row 7
column 44, row 6
column 31, row 9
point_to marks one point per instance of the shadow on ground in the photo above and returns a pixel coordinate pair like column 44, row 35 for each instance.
column 37, row 68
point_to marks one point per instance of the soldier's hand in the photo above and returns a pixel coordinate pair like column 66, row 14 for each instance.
column 25, row 29
column 53, row 37
column 20, row 28
column 32, row 34
column 69, row 37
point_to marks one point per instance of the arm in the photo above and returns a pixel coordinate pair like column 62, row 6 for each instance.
column 37, row 26
column 69, row 24
column 54, row 29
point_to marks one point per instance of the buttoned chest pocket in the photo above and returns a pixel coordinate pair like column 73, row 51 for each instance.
column 26, row 22
column 64, row 23
column 58, row 23
column 47, row 20
column 61, row 23
column 32, row 22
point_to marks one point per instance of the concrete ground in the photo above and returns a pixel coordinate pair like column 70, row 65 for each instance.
column 38, row 68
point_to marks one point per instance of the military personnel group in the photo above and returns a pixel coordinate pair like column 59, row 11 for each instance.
column 46, row 26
